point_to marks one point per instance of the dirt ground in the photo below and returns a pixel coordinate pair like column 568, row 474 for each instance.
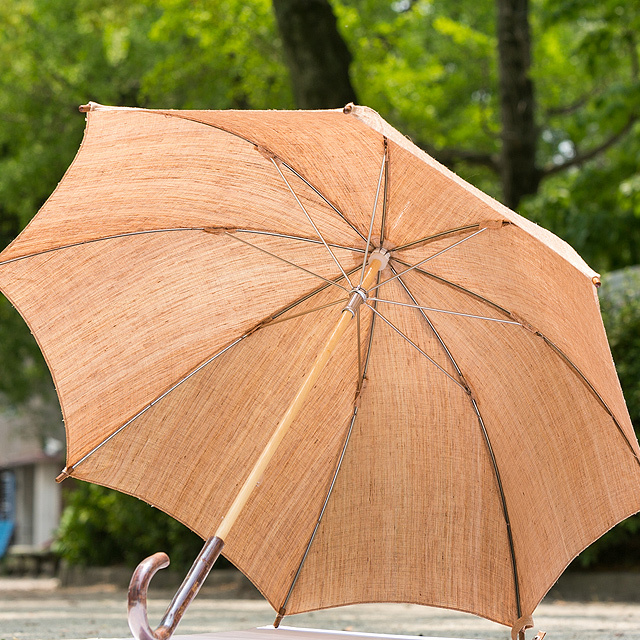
column 42, row 610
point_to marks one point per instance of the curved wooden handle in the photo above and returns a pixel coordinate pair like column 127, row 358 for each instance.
column 137, row 601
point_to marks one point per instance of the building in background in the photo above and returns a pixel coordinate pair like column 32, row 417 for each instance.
column 30, row 499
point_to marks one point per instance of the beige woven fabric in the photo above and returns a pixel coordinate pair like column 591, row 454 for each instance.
column 180, row 294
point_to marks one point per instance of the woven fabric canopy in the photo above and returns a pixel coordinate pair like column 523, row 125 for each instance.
column 467, row 438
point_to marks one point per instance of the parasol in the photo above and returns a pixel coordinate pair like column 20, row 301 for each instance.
column 329, row 356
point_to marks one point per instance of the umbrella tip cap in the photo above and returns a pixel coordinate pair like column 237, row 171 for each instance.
column 64, row 474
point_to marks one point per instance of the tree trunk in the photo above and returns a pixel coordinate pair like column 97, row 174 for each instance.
column 316, row 54
column 519, row 173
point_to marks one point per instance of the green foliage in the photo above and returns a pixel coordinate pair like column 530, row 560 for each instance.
column 597, row 208
column 430, row 69
column 588, row 87
column 622, row 319
column 23, row 372
column 101, row 527
column 55, row 56
column 216, row 55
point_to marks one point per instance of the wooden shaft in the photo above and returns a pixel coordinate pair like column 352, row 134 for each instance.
column 190, row 586
column 292, row 412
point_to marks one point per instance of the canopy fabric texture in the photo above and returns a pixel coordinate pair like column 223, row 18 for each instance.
column 469, row 436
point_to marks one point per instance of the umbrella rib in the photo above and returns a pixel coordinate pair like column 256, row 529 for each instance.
column 304, row 313
column 385, row 195
column 373, row 213
column 365, row 367
column 435, row 255
column 326, row 200
column 286, row 236
column 435, row 332
column 294, row 304
column 589, row 386
column 69, row 470
column 297, row 266
column 282, row 610
column 169, row 229
column 102, row 239
column 417, row 348
column 435, row 236
column 305, row 298
column 453, row 284
column 272, row 155
column 361, row 376
column 453, row 313
column 309, row 218
column 487, row 440
column 503, row 500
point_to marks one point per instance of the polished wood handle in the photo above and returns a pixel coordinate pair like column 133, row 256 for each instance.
column 138, row 619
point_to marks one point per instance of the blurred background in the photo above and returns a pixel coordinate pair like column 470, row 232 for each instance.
column 535, row 102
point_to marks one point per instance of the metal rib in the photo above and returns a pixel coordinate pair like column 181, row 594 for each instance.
column 274, row 234
column 373, row 213
column 435, row 332
column 487, row 440
column 435, row 255
column 148, row 231
column 452, row 313
column 324, row 198
column 304, row 313
column 385, row 195
column 374, row 306
column 477, row 296
column 306, row 297
column 417, row 348
column 183, row 116
column 361, row 375
column 310, row 219
column 408, row 245
column 319, row 520
column 297, row 266
column 113, row 237
column 589, row 386
column 160, row 397
column 503, row 501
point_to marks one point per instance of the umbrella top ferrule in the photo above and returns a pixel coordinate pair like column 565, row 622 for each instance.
column 382, row 255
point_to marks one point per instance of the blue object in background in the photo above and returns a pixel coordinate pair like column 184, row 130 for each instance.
column 7, row 509
column 6, row 529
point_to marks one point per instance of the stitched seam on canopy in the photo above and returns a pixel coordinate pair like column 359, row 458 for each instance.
column 183, row 116
column 494, row 463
